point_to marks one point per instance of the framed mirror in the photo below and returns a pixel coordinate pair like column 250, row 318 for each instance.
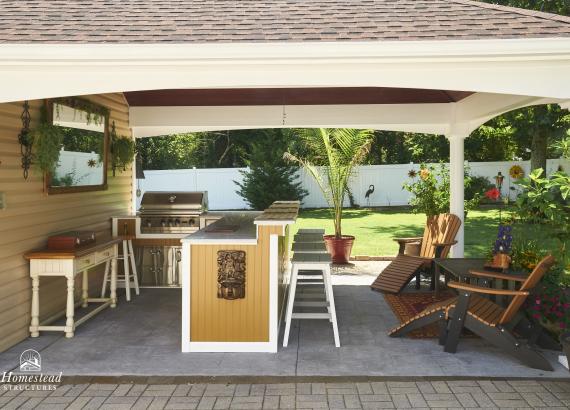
column 82, row 164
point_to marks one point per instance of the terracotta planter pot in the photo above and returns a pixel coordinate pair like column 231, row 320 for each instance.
column 339, row 249
column 565, row 341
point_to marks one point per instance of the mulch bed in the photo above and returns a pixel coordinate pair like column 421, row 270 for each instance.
column 407, row 305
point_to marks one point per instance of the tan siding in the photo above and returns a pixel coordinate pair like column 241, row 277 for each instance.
column 241, row 320
column 31, row 216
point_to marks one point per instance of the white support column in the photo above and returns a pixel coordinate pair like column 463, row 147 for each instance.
column 457, row 186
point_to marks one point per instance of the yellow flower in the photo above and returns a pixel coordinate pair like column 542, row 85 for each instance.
column 516, row 172
column 424, row 173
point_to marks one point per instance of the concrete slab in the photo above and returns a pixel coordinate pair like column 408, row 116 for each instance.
column 143, row 338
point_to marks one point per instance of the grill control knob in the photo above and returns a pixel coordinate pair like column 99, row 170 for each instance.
column 191, row 222
column 170, row 222
column 177, row 222
column 149, row 223
column 163, row 223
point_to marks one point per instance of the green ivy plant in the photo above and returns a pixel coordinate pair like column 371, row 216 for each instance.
column 94, row 113
column 122, row 150
column 48, row 141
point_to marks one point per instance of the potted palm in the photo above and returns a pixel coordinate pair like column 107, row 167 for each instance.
column 339, row 150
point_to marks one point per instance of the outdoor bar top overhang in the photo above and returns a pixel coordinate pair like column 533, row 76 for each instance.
column 234, row 279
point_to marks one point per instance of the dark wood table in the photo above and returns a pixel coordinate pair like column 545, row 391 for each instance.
column 459, row 268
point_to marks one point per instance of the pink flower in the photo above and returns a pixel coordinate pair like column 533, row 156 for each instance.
column 536, row 315
column 562, row 325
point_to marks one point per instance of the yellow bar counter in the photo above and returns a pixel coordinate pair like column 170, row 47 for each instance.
column 234, row 278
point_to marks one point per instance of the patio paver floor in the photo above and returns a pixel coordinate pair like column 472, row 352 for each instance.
column 524, row 394
column 142, row 338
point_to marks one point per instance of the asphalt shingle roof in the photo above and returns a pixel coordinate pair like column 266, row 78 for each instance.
column 202, row 21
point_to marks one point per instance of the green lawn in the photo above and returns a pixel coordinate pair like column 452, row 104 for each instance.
column 374, row 229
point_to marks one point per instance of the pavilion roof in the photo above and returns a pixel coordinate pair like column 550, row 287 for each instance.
column 207, row 21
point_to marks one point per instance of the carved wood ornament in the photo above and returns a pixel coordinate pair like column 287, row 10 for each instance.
column 231, row 275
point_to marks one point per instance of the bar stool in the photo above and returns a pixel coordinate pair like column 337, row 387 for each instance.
column 129, row 269
column 309, row 247
column 304, row 231
column 308, row 269
column 308, row 237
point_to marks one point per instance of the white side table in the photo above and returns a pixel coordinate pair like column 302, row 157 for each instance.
column 69, row 264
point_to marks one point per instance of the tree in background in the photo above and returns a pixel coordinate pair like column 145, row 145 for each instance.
column 551, row 6
column 269, row 178
column 536, row 126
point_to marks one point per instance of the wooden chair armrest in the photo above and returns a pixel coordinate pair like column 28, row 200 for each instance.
column 445, row 243
column 407, row 240
column 497, row 275
column 488, row 291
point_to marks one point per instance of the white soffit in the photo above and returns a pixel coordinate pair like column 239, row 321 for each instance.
column 534, row 67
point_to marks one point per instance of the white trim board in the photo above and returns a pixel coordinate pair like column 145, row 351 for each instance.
column 229, row 347
column 506, row 66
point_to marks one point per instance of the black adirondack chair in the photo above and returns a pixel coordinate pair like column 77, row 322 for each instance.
column 485, row 318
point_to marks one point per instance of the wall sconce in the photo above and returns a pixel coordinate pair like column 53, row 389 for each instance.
column 26, row 140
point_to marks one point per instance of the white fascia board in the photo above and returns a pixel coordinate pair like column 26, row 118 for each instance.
column 427, row 118
column 536, row 67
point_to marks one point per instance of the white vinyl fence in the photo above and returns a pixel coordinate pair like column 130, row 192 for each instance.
column 83, row 168
column 387, row 181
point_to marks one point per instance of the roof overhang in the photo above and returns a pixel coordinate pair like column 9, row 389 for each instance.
column 532, row 67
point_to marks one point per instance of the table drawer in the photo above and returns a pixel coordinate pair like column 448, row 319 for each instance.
column 104, row 255
column 85, row 262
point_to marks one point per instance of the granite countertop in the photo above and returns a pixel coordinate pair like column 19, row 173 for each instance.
column 232, row 226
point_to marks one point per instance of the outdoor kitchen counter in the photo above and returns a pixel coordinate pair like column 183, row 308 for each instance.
column 233, row 226
column 234, row 275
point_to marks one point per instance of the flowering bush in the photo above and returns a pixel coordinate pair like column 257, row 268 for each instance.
column 493, row 194
column 430, row 192
column 551, row 308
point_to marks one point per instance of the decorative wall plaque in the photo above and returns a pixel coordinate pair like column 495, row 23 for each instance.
column 231, row 275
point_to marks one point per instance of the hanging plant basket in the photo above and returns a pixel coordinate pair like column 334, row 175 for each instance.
column 122, row 150
column 47, row 144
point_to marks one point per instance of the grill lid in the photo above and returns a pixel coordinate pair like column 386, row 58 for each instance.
column 167, row 202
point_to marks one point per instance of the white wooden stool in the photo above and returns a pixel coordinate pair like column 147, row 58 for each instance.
column 129, row 270
column 309, row 247
column 305, row 231
column 308, row 269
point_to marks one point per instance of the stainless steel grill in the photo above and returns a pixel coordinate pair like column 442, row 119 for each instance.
column 167, row 215
column 172, row 212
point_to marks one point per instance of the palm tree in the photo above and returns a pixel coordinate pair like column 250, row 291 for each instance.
column 340, row 150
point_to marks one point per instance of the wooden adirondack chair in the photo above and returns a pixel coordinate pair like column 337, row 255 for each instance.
column 439, row 236
column 487, row 319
